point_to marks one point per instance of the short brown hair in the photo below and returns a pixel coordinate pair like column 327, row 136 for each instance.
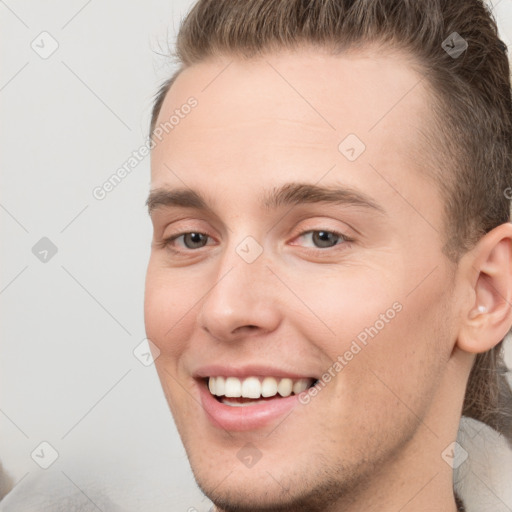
column 471, row 106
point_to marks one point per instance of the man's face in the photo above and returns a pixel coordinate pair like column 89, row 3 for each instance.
column 277, row 279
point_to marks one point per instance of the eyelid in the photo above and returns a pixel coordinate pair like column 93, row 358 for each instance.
column 308, row 225
column 186, row 224
column 166, row 241
column 346, row 238
column 328, row 217
column 325, row 223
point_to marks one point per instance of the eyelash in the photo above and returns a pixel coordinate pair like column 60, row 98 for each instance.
column 340, row 245
column 344, row 239
column 167, row 242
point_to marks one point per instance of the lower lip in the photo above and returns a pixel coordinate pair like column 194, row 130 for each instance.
column 249, row 417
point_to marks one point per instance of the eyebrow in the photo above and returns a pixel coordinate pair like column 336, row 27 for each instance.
column 289, row 194
column 293, row 194
column 186, row 198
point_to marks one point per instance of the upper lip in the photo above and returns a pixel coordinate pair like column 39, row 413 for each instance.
column 252, row 370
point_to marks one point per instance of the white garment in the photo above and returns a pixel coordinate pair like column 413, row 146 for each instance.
column 484, row 480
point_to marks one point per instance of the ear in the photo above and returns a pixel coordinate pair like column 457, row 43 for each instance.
column 487, row 269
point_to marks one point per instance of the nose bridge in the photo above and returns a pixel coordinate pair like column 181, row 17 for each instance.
column 241, row 294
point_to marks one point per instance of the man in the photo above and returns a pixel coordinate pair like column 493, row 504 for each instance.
column 330, row 278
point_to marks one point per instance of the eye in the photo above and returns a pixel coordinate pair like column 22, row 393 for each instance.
column 192, row 240
column 322, row 239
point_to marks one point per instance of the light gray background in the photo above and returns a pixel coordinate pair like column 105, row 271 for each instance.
column 69, row 325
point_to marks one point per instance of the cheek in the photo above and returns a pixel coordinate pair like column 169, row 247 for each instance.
column 398, row 371
column 344, row 305
column 168, row 309
column 379, row 339
column 389, row 299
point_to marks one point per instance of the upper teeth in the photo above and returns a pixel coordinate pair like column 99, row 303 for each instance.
column 254, row 387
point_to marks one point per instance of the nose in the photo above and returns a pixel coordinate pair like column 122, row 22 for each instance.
column 242, row 300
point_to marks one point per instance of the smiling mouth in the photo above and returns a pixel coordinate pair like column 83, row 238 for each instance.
column 253, row 390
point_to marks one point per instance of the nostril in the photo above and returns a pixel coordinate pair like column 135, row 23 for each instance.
column 243, row 328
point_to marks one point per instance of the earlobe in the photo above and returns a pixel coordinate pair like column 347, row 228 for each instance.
column 489, row 316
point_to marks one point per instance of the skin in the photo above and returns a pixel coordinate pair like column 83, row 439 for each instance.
column 372, row 439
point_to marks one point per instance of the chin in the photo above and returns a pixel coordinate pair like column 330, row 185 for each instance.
column 278, row 485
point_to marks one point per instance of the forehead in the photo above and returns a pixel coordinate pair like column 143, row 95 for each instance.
column 290, row 110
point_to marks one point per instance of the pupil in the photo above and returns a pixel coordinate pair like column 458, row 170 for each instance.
column 325, row 238
column 194, row 240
